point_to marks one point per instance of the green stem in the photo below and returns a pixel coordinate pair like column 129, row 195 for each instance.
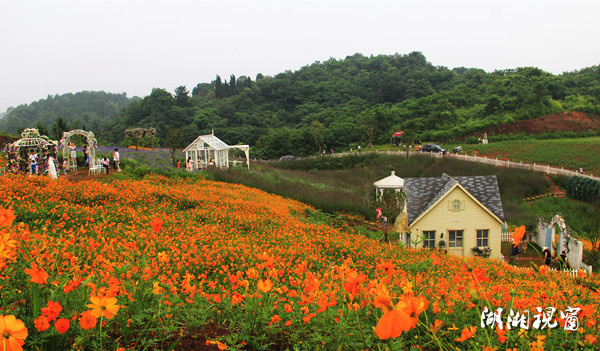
column 101, row 336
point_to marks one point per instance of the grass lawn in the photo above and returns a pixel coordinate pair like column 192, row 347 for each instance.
column 567, row 153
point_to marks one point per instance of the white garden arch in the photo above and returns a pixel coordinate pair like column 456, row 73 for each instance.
column 66, row 144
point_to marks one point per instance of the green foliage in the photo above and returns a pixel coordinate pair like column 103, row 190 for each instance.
column 93, row 109
column 333, row 104
column 583, row 189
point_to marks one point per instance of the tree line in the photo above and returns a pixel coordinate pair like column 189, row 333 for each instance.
column 337, row 104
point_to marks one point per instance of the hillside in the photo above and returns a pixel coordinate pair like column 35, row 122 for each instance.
column 93, row 110
column 337, row 104
column 561, row 122
column 195, row 262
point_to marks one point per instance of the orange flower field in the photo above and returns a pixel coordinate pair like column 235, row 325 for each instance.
column 161, row 263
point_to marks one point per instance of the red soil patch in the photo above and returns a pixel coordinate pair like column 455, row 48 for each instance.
column 566, row 121
column 82, row 175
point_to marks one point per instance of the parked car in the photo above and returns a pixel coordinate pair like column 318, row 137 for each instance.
column 457, row 149
column 434, row 148
column 286, row 158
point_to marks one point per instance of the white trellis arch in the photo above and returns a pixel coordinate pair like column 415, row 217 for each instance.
column 66, row 143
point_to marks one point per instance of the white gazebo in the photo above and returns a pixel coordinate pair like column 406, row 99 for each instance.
column 207, row 148
column 389, row 182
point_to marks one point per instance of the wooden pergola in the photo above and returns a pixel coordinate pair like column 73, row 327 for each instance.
column 207, row 148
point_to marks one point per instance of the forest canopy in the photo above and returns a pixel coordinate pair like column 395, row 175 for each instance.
column 327, row 105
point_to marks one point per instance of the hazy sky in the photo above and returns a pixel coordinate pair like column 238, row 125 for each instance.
column 59, row 46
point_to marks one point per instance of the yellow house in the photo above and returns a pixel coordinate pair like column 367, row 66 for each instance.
column 454, row 213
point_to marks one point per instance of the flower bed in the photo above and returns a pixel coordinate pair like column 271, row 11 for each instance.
column 148, row 264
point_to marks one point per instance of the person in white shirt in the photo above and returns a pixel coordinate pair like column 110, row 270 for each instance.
column 116, row 160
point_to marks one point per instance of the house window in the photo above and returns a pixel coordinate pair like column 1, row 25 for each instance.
column 456, row 205
column 429, row 239
column 482, row 237
column 455, row 238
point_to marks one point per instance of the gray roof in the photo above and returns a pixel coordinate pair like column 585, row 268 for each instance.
column 422, row 193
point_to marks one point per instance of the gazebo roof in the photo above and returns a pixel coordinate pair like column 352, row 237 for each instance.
column 31, row 137
column 209, row 139
column 392, row 181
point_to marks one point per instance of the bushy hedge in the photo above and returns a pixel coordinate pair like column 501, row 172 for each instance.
column 583, row 189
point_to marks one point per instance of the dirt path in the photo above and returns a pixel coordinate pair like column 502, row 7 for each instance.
column 82, row 175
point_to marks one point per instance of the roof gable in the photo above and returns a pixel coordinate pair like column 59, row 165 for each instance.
column 423, row 193
column 210, row 140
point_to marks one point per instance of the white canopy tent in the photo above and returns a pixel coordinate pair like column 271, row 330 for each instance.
column 207, row 148
column 389, row 182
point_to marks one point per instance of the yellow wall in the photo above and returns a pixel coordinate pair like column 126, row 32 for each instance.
column 471, row 218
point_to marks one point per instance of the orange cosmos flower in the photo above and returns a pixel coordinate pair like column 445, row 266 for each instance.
column 590, row 339
column 353, row 282
column 41, row 323
column 479, row 274
column 87, row 320
column 265, row 285
column 467, row 333
column 38, row 275
column 501, row 333
column 52, row 311
column 393, row 323
column 156, row 224
column 274, row 320
column 219, row 344
column 72, row 285
column 62, row 325
column 7, row 216
column 12, row 333
column 543, row 269
column 413, row 306
column 103, row 306
column 517, row 236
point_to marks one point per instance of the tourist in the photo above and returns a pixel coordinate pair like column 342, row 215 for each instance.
column 359, row 148
column 73, row 157
column 178, row 165
column 211, row 163
column 190, row 164
column 105, row 163
column 581, row 169
column 65, row 165
column 33, row 162
column 547, row 256
column 86, row 155
column 116, row 160
column 562, row 261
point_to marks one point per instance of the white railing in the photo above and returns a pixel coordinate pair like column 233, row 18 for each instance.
column 473, row 158
column 508, row 164
column 506, row 236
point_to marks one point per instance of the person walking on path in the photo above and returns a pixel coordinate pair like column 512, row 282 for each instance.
column 359, row 148
column 116, row 160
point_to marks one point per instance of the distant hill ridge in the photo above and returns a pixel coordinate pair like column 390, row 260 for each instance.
column 335, row 104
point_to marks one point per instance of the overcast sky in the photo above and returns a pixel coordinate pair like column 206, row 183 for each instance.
column 59, row 46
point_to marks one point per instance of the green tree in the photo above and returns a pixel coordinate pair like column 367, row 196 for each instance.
column 316, row 130
column 174, row 141
column 182, row 97
column 59, row 127
column 391, row 203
